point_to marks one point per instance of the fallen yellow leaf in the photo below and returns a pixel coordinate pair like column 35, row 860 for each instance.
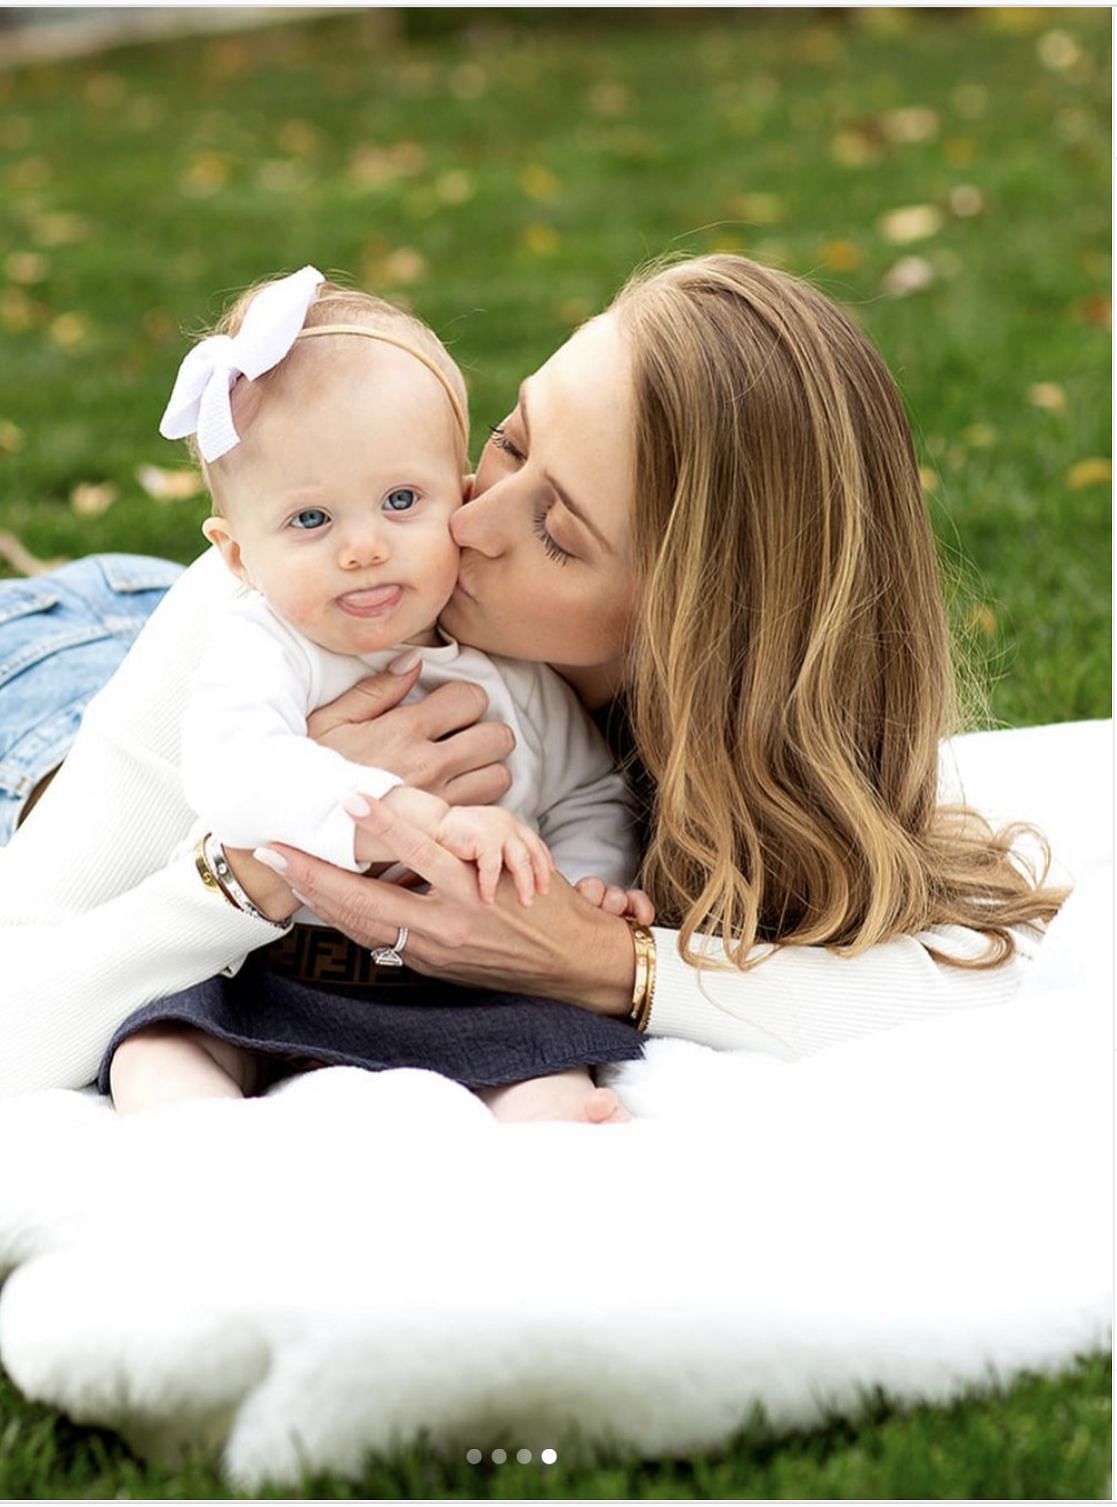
column 1088, row 473
column 69, row 330
column 538, row 182
column 454, row 187
column 405, row 265
column 1095, row 309
column 966, row 200
column 90, row 499
column 59, row 229
column 540, row 239
column 927, row 479
column 841, row 255
column 909, row 275
column 914, row 223
column 853, row 148
column 1046, row 395
column 757, row 209
column 207, row 174
column 11, row 438
column 170, row 486
column 26, row 267
column 1058, row 51
column 912, row 123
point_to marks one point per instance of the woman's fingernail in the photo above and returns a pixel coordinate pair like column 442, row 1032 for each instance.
column 270, row 859
column 356, row 805
column 404, row 662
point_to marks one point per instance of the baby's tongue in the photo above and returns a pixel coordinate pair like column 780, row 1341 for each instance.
column 370, row 598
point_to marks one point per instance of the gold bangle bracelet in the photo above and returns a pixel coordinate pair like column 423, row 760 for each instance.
column 644, row 983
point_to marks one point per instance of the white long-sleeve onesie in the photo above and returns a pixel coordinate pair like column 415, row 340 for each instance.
column 102, row 910
column 254, row 776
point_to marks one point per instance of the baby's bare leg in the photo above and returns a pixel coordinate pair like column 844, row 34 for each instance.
column 569, row 1095
column 165, row 1063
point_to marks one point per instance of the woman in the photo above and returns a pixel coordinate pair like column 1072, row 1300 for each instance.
column 705, row 511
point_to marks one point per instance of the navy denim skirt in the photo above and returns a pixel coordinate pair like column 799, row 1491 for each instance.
column 478, row 1037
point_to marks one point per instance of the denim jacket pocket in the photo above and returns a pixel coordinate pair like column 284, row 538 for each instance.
column 35, row 626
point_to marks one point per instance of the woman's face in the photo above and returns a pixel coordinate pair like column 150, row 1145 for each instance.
column 546, row 567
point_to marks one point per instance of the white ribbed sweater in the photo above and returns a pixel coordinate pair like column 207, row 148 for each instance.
column 102, row 909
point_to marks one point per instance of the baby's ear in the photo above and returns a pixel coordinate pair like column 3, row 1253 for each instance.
column 218, row 533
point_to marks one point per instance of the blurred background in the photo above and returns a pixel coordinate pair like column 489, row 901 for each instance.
column 944, row 174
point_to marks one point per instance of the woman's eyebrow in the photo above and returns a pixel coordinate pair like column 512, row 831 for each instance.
column 567, row 503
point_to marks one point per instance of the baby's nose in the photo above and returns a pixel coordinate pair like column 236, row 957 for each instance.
column 366, row 544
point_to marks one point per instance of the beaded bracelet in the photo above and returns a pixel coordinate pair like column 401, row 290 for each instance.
column 643, row 988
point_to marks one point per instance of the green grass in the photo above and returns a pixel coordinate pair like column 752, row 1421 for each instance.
column 1040, row 1439
column 505, row 180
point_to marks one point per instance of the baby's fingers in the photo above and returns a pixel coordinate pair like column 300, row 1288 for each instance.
column 640, row 908
column 518, row 861
column 542, row 862
column 489, row 864
column 615, row 901
column 591, row 889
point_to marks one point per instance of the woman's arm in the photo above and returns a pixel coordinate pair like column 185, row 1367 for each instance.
column 101, row 910
column 796, row 1001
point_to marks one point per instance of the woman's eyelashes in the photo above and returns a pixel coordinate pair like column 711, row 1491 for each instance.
column 502, row 442
column 554, row 550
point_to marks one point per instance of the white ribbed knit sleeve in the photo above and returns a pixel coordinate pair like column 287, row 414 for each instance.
column 97, row 913
column 798, row 1000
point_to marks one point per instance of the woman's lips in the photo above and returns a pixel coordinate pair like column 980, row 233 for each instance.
column 376, row 601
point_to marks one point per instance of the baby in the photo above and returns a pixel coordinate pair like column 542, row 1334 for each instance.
column 334, row 471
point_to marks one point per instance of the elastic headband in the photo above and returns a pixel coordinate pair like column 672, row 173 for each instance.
column 403, row 345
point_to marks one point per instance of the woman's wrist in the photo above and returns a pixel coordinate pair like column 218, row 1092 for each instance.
column 267, row 890
column 609, row 967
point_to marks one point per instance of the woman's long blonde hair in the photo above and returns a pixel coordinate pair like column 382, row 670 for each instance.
column 791, row 674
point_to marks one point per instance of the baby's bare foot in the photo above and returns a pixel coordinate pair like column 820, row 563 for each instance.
column 559, row 1096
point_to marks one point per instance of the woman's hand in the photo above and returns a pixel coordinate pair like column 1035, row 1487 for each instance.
column 560, row 947
column 437, row 744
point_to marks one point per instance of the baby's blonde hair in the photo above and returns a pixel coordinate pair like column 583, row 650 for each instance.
column 333, row 304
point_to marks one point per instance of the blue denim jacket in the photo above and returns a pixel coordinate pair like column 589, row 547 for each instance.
column 62, row 635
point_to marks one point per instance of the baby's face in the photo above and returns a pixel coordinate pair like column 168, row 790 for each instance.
column 339, row 506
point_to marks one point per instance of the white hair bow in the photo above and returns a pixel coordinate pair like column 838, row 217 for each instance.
column 199, row 403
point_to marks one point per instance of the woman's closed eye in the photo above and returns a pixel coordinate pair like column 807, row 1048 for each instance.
column 502, row 442
column 553, row 548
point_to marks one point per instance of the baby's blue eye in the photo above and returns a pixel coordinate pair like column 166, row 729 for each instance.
column 401, row 499
column 310, row 518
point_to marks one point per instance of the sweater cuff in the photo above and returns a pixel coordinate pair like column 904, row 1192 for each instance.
column 674, row 981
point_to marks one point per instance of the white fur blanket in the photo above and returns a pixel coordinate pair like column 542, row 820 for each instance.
column 359, row 1260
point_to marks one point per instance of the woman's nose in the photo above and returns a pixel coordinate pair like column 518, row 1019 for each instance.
column 477, row 523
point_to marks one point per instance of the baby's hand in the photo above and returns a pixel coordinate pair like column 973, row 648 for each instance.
column 425, row 811
column 493, row 839
column 617, row 902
